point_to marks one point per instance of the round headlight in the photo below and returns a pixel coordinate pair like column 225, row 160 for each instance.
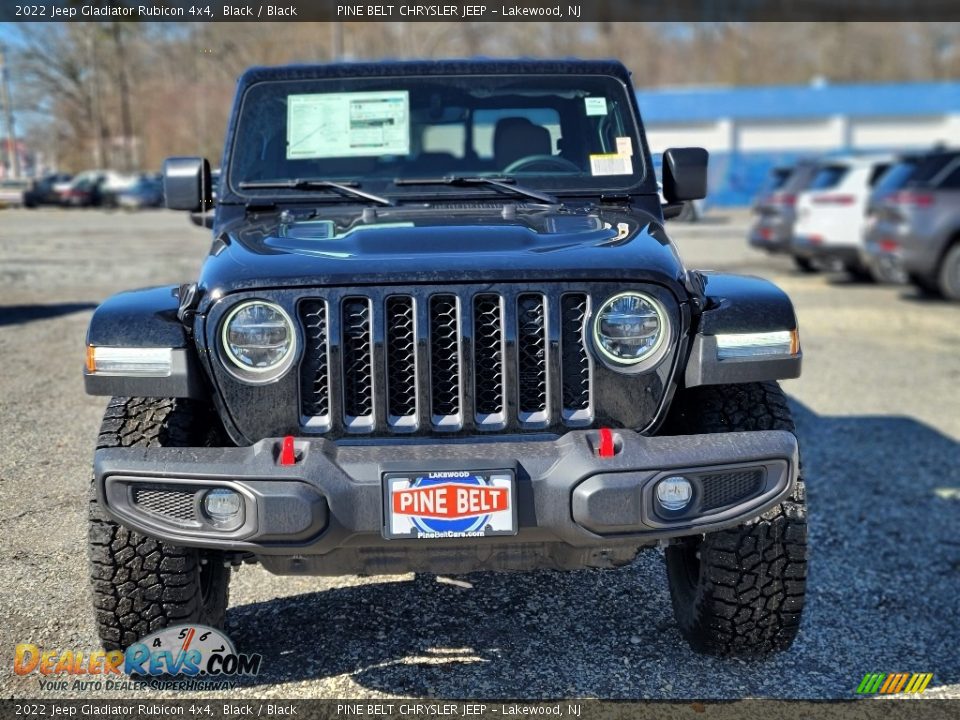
column 259, row 338
column 629, row 328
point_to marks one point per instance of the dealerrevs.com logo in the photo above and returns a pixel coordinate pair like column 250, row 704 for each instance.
column 184, row 652
column 893, row 683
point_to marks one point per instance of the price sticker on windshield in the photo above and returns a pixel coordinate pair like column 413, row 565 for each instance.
column 595, row 105
column 611, row 164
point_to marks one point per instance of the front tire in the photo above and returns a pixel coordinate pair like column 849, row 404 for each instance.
column 141, row 585
column 740, row 591
column 804, row 265
column 949, row 280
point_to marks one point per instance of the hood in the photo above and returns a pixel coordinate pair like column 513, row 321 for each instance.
column 454, row 243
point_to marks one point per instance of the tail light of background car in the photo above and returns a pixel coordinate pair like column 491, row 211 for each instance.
column 834, row 199
column 912, row 198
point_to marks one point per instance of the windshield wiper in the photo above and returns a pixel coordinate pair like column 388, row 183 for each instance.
column 347, row 189
column 504, row 184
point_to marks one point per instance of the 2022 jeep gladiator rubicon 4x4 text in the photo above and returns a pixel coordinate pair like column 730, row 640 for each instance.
column 441, row 329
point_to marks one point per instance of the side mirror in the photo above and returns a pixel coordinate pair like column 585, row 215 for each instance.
column 684, row 174
column 186, row 184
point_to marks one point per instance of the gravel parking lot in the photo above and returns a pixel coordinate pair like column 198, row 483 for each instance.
column 878, row 409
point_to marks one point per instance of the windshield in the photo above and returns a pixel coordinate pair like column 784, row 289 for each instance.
column 551, row 132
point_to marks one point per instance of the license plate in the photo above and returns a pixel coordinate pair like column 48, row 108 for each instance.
column 449, row 504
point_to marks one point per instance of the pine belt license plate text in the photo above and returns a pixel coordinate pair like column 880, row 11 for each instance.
column 449, row 504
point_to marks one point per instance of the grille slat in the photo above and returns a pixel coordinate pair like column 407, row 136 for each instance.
column 460, row 360
column 531, row 358
column 574, row 361
column 488, row 359
column 401, row 361
column 357, row 363
column 444, row 361
column 315, row 369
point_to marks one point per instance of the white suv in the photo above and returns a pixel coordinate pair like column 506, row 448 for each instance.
column 832, row 210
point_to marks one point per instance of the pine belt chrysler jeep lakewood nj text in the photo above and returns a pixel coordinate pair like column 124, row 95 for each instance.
column 441, row 328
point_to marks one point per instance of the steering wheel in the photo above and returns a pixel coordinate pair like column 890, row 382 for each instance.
column 525, row 163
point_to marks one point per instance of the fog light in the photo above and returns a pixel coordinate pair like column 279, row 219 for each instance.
column 224, row 507
column 674, row 493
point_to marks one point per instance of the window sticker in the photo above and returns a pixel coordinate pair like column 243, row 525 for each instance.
column 358, row 124
column 611, row 164
column 595, row 105
column 624, row 146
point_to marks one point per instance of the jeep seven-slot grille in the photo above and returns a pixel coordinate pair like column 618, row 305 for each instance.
column 456, row 360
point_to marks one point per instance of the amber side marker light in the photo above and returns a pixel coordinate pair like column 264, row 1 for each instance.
column 752, row 345
column 125, row 361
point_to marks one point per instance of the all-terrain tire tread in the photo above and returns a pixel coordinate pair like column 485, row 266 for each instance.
column 141, row 585
column 750, row 593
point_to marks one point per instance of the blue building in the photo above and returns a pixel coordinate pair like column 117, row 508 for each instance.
column 749, row 130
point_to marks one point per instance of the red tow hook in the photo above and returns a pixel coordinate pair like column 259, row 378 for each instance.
column 606, row 449
column 287, row 454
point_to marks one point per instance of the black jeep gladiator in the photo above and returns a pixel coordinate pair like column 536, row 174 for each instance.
column 441, row 329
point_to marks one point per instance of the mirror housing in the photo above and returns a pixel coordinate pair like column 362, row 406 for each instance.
column 186, row 184
column 684, row 174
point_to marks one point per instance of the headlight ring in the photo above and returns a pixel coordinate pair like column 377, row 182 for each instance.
column 630, row 328
column 258, row 341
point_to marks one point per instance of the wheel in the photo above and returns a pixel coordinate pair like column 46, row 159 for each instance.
column 141, row 585
column 949, row 280
column 887, row 271
column 740, row 591
column 804, row 264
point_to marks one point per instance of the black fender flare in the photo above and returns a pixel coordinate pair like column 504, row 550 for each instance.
column 736, row 305
column 146, row 318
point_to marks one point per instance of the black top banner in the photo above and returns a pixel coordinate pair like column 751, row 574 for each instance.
column 479, row 11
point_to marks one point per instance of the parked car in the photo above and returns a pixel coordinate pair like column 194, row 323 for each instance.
column 488, row 356
column 918, row 227
column 146, row 192
column 96, row 188
column 884, row 265
column 84, row 191
column 113, row 186
column 775, row 208
column 831, row 213
column 43, row 191
column 12, row 192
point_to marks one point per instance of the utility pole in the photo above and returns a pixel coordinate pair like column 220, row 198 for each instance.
column 12, row 154
column 336, row 41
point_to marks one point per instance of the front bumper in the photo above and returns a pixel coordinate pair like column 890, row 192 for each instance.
column 331, row 500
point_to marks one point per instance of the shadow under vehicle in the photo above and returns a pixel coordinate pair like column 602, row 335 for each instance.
column 442, row 328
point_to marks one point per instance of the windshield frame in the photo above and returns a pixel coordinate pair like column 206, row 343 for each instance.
column 644, row 183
